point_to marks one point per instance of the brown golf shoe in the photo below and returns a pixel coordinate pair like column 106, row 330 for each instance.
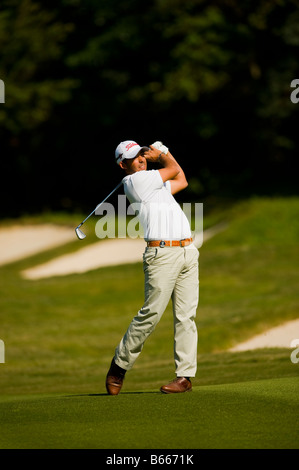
column 178, row 385
column 113, row 384
column 114, row 379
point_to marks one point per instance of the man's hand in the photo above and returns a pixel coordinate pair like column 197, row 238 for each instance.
column 160, row 146
column 152, row 155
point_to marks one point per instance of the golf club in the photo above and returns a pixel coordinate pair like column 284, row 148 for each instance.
column 79, row 232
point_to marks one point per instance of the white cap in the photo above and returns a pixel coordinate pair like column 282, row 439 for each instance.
column 127, row 149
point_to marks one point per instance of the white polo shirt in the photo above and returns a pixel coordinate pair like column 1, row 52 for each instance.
column 160, row 215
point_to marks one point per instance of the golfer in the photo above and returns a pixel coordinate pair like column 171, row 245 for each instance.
column 170, row 264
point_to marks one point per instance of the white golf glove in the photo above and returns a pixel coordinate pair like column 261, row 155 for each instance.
column 158, row 145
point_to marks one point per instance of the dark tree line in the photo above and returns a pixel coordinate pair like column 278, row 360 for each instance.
column 211, row 79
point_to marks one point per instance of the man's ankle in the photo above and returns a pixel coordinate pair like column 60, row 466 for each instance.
column 183, row 376
column 117, row 370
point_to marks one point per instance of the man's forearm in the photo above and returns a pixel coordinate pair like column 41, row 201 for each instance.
column 169, row 157
column 178, row 182
column 167, row 160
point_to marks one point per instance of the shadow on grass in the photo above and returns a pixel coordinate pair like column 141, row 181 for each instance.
column 146, row 392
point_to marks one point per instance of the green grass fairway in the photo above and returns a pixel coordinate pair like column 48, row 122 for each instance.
column 60, row 335
column 240, row 415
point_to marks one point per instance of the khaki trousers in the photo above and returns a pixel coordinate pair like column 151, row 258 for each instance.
column 169, row 273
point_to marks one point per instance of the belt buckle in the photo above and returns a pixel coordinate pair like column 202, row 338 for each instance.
column 162, row 244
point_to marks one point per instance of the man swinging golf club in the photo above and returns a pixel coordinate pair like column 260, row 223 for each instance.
column 170, row 263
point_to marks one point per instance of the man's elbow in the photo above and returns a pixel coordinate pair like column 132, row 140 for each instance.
column 177, row 186
column 184, row 183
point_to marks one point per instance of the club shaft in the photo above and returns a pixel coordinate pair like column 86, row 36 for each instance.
column 113, row 191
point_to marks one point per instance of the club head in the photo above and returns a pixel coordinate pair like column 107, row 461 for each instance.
column 80, row 234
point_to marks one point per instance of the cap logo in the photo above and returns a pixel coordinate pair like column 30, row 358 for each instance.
column 130, row 145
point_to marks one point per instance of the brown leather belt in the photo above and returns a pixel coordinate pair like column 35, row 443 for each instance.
column 170, row 243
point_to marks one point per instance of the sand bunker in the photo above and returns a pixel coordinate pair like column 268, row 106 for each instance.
column 104, row 253
column 278, row 337
column 19, row 242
